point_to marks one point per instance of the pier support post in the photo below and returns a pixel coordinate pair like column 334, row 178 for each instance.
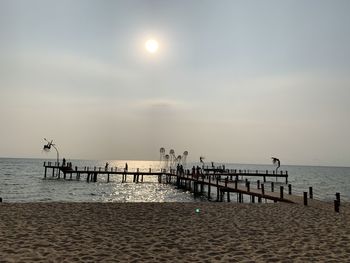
column 259, row 199
column 281, row 192
column 272, row 187
column 240, row 198
column 137, row 175
column 248, row 186
column 236, row 182
column 258, row 184
column 336, row 206
column 290, row 189
column 222, row 193
column 45, row 171
column 217, row 193
column 262, row 189
column 228, row 197
column 310, row 192
column 209, row 188
column 253, row 199
column 337, row 197
column 286, row 177
column 305, row 198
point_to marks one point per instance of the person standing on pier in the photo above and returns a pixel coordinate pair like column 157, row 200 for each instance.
column 276, row 161
column 178, row 169
column 64, row 162
column 126, row 167
column 182, row 171
column 198, row 171
column 106, row 166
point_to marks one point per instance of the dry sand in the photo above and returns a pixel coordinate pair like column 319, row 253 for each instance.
column 172, row 232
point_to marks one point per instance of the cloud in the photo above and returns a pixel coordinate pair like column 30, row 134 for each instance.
column 163, row 103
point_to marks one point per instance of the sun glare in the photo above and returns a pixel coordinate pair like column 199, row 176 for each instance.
column 151, row 46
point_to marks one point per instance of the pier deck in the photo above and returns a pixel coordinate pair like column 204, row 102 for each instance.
column 221, row 180
column 224, row 182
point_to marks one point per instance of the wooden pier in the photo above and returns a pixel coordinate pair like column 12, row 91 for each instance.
column 247, row 173
column 91, row 175
column 224, row 181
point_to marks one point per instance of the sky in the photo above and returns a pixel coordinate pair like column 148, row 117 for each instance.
column 233, row 81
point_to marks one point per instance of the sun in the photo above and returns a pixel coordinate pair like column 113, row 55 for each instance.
column 151, row 45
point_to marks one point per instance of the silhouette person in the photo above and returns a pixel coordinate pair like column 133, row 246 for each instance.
column 276, row 161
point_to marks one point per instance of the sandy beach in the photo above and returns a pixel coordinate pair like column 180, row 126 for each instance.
column 172, row 232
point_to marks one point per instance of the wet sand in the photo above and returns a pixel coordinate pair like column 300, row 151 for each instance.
column 172, row 232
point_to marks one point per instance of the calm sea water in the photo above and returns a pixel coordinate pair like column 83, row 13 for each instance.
column 21, row 180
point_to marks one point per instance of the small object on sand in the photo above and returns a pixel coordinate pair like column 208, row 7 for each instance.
column 197, row 210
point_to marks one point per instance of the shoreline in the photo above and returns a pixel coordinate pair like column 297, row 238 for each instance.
column 172, row 232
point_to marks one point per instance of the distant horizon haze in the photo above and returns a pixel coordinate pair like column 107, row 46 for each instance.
column 206, row 162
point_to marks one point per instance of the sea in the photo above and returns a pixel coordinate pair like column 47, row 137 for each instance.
column 22, row 180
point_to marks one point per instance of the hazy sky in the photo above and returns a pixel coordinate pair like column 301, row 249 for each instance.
column 235, row 81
